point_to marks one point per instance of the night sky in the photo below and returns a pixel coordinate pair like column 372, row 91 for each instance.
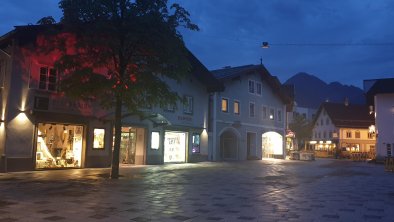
column 336, row 40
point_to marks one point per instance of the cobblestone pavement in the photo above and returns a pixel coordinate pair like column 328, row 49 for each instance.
column 263, row 190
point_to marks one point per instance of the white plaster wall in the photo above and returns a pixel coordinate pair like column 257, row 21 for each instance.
column 384, row 111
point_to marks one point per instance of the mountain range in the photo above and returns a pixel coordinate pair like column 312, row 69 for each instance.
column 311, row 91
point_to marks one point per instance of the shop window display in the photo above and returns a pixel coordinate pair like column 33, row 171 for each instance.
column 58, row 146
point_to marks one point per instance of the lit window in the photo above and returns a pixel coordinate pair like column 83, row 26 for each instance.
column 224, row 105
column 155, row 140
column 98, row 139
column 251, row 86
column 196, row 143
column 251, row 109
column 236, row 107
column 357, row 135
column 258, row 88
column 348, row 134
column 48, row 79
column 188, row 106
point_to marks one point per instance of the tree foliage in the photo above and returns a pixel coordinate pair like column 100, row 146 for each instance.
column 302, row 129
column 122, row 52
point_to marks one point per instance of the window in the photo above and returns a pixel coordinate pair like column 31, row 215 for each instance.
column 251, row 109
column 224, row 105
column 155, row 140
column 348, row 134
column 251, row 86
column 279, row 115
column 330, row 134
column 371, row 135
column 388, row 146
column 196, row 143
column 170, row 108
column 236, row 107
column 327, row 121
column 98, row 138
column 321, row 122
column 272, row 114
column 258, row 88
column 357, row 135
column 324, row 134
column 264, row 112
column 188, row 106
column 48, row 79
column 319, row 135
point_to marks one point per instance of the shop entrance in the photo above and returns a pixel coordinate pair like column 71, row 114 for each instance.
column 175, row 147
column 127, row 145
column 272, row 145
column 59, row 146
column 132, row 145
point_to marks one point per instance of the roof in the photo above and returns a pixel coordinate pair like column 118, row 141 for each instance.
column 380, row 86
column 347, row 116
column 236, row 72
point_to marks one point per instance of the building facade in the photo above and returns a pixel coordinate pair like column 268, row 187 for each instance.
column 380, row 97
column 249, row 116
column 41, row 128
column 342, row 129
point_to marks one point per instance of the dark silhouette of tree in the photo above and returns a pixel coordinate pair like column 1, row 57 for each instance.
column 302, row 129
column 124, row 50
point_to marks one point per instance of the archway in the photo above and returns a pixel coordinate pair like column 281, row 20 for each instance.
column 272, row 145
column 229, row 145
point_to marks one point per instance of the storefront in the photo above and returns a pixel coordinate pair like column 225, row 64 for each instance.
column 132, row 145
column 272, row 145
column 58, row 146
column 323, row 148
column 175, row 147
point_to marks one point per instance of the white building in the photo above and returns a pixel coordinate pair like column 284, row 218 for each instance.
column 249, row 116
column 342, row 128
column 380, row 96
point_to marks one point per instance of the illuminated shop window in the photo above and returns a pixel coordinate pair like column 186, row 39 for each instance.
column 224, row 105
column 236, row 107
column 48, row 79
column 196, row 143
column 155, row 140
column 98, row 139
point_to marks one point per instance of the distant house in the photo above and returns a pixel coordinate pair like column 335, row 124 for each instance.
column 342, row 127
column 380, row 97
column 249, row 116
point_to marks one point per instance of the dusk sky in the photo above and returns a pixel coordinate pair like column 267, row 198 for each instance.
column 336, row 40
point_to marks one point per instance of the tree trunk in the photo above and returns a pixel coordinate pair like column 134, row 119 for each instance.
column 118, row 129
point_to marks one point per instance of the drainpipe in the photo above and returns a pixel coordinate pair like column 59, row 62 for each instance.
column 214, row 145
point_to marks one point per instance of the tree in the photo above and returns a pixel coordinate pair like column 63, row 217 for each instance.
column 302, row 129
column 123, row 51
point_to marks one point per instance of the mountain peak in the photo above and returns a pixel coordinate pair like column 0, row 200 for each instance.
column 310, row 91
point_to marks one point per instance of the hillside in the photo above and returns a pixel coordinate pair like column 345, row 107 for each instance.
column 311, row 91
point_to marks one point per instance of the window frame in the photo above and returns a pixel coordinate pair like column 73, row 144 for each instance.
column 261, row 88
column 251, row 86
column 221, row 105
column 252, row 104
column 348, row 134
column 239, row 107
column 188, row 105
column 46, row 84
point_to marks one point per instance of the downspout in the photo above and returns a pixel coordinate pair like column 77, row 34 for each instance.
column 214, row 137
